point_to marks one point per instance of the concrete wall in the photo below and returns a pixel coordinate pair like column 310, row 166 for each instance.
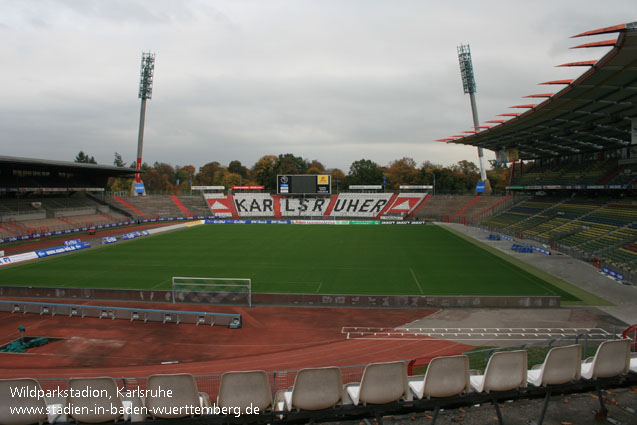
column 335, row 300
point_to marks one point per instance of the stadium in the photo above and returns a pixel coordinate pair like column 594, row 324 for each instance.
column 297, row 302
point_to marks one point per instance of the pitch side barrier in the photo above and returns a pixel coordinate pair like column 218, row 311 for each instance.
column 99, row 227
column 332, row 222
column 125, row 313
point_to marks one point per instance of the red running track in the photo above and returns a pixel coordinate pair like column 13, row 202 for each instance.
column 272, row 338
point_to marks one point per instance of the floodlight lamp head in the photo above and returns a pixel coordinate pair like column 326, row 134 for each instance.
column 466, row 69
column 146, row 76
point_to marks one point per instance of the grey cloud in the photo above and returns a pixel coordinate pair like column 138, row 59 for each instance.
column 329, row 80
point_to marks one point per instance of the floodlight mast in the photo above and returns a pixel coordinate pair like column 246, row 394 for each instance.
column 469, row 86
column 145, row 92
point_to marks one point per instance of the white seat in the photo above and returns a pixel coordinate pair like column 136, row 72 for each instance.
column 611, row 359
column 633, row 362
column 102, row 404
column 445, row 377
column 314, row 389
column 381, row 383
column 184, row 399
column 505, row 371
column 562, row 365
column 10, row 400
column 244, row 389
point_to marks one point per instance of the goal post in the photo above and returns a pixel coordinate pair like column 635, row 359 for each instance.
column 212, row 290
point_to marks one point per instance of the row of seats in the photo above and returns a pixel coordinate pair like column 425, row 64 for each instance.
column 599, row 229
column 250, row 392
column 566, row 174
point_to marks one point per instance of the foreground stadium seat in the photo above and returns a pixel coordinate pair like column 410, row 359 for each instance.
column 314, row 389
column 381, row 383
column 245, row 389
column 611, row 359
column 633, row 362
column 506, row 370
column 8, row 400
column 93, row 400
column 445, row 377
column 562, row 365
column 184, row 400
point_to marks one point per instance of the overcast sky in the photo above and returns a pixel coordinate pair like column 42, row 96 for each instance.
column 335, row 81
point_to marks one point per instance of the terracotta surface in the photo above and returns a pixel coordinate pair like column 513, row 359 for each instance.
column 272, row 338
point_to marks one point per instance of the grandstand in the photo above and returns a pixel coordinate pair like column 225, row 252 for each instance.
column 575, row 190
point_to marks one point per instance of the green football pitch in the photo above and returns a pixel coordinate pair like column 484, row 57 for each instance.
column 374, row 260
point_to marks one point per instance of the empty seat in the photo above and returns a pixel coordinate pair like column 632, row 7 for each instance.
column 445, row 377
column 562, row 365
column 184, row 398
column 244, row 389
column 611, row 359
column 506, row 370
column 93, row 400
column 10, row 400
column 633, row 362
column 381, row 383
column 314, row 389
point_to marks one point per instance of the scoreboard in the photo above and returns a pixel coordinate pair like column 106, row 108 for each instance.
column 299, row 184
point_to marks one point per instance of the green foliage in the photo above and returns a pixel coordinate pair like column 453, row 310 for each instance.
column 84, row 158
column 457, row 178
column 118, row 161
column 364, row 171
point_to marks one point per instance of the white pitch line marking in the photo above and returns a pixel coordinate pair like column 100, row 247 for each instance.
column 417, row 283
column 319, row 288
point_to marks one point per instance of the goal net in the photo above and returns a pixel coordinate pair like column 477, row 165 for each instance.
column 212, row 290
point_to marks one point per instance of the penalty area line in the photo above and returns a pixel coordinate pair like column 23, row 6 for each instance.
column 416, row 280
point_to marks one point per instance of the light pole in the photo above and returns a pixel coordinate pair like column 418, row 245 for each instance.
column 145, row 92
column 469, row 86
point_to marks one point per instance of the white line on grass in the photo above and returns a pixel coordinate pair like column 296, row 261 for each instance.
column 319, row 287
column 417, row 283
column 160, row 283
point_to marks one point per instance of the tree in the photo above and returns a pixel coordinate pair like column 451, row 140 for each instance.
column 316, row 165
column 231, row 179
column 337, row 176
column 184, row 176
column 207, row 173
column 265, row 170
column 364, row 171
column 466, row 167
column 118, row 161
column 84, row 158
column 290, row 164
column 237, row 168
column 118, row 184
column 402, row 171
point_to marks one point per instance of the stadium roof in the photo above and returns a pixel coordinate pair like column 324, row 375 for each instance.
column 592, row 113
column 32, row 163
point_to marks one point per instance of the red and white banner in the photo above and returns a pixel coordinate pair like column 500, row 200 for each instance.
column 248, row 187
